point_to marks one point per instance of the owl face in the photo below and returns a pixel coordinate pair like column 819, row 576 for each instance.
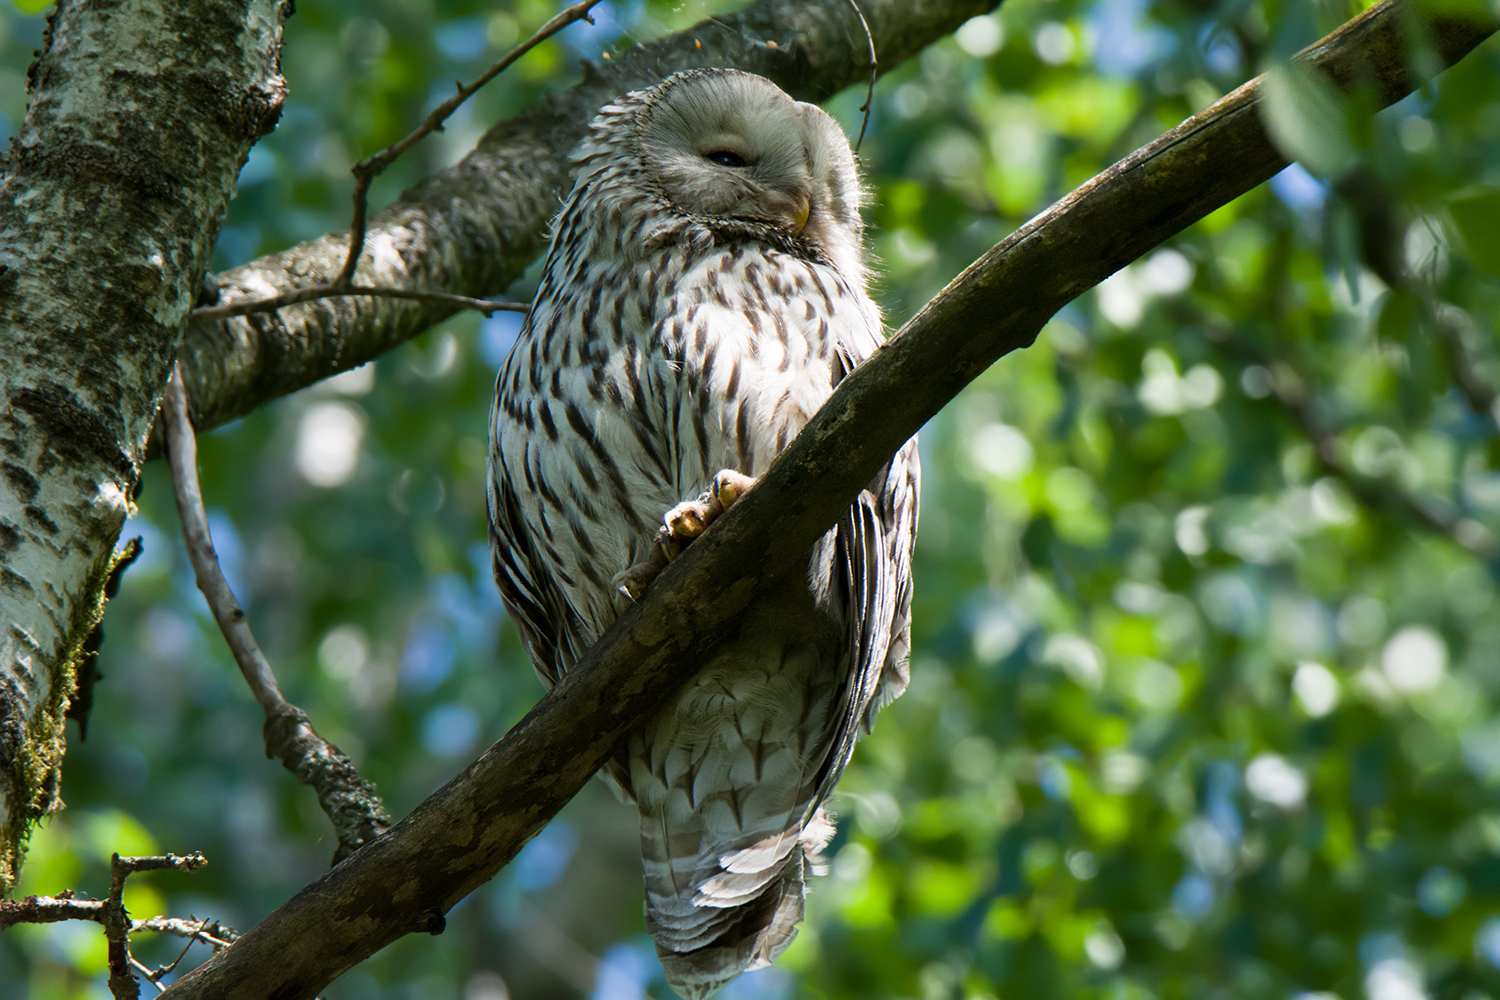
column 728, row 145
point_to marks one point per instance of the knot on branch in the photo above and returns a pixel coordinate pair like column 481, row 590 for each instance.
column 351, row 802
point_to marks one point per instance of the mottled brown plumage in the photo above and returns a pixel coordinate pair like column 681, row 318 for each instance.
column 703, row 295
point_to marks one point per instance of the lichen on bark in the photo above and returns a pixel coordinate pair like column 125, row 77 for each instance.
column 140, row 115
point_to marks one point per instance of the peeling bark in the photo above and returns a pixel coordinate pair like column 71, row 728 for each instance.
column 473, row 228
column 141, row 115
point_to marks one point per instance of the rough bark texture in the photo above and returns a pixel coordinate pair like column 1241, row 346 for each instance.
column 141, row 115
column 469, row 829
column 473, row 228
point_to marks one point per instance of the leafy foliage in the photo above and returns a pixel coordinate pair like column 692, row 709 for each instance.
column 1206, row 640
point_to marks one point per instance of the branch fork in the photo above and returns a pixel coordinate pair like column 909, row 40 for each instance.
column 110, row 913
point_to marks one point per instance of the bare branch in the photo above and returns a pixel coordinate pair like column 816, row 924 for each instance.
column 110, row 911
column 371, row 167
column 209, row 931
column 49, row 910
column 484, row 306
column 874, row 72
column 147, row 974
column 461, row 835
column 351, row 802
column 110, row 914
column 122, row 982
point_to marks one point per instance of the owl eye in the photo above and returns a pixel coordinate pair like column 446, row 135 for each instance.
column 726, row 158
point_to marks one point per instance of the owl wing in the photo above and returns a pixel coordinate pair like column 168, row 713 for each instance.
column 872, row 555
column 535, row 602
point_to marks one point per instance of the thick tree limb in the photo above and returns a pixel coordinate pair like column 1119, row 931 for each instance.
column 472, row 229
column 141, row 115
column 465, row 832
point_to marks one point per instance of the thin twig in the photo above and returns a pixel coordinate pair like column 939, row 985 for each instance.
column 874, row 71
column 366, row 170
column 371, row 167
column 154, row 977
column 165, row 970
column 485, row 306
column 49, row 910
column 110, row 914
column 117, row 923
column 209, row 931
column 351, row 802
column 146, row 974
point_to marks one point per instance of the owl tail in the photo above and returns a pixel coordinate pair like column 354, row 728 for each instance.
column 710, row 929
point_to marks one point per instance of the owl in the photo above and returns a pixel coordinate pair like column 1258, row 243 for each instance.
column 703, row 294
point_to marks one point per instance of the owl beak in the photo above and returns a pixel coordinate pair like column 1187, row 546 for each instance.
column 804, row 209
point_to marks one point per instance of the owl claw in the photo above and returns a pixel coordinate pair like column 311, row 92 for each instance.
column 681, row 525
column 632, row 582
column 729, row 486
column 691, row 518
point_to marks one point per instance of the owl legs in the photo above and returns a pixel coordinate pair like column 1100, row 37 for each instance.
column 681, row 525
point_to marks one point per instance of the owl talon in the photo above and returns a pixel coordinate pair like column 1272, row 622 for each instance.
column 690, row 519
column 729, row 486
column 633, row 581
column 681, row 525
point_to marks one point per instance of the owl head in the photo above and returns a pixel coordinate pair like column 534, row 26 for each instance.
column 734, row 151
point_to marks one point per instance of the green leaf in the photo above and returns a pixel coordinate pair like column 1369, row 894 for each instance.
column 1477, row 217
column 33, row 6
column 1307, row 119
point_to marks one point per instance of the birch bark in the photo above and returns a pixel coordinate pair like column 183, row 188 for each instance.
column 141, row 114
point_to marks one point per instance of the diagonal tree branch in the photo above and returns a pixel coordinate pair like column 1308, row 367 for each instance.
column 472, row 229
column 350, row 802
column 474, row 825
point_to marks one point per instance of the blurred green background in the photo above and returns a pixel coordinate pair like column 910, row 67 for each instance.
column 1207, row 639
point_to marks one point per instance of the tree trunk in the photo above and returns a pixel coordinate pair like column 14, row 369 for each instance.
column 141, row 115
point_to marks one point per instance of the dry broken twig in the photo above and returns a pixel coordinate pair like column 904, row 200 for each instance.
column 351, row 802
column 371, row 167
column 110, row 914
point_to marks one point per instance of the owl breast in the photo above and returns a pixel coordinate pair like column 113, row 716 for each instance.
column 695, row 363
